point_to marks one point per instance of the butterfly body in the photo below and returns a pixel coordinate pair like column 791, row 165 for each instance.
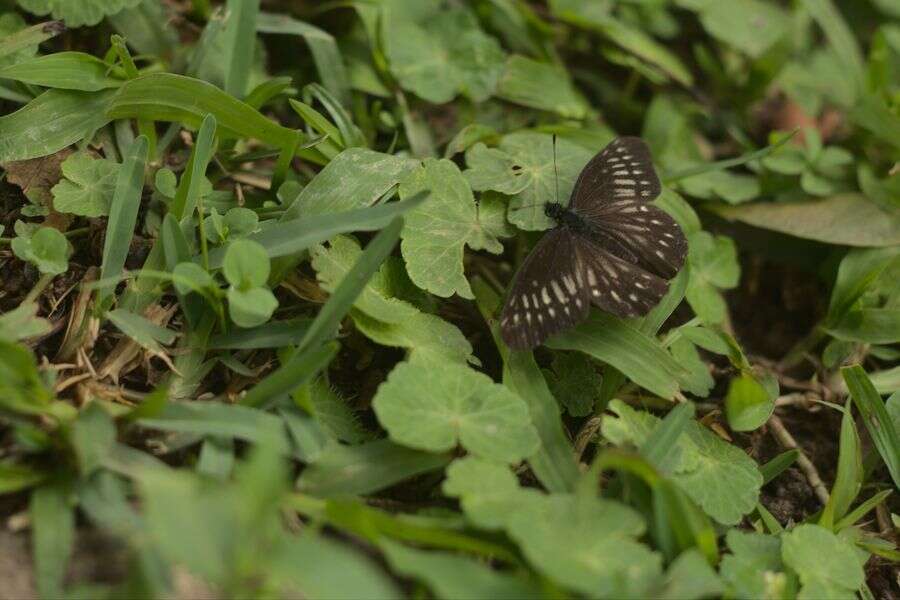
column 611, row 248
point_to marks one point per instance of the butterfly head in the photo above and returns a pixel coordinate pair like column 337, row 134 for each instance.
column 555, row 211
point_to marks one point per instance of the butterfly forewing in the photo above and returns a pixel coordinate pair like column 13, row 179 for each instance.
column 623, row 170
column 548, row 294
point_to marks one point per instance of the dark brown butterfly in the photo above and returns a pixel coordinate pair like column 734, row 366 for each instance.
column 611, row 248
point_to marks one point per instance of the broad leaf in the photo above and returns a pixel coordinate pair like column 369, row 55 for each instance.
column 88, row 187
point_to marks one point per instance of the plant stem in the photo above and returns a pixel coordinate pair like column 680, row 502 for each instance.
column 39, row 287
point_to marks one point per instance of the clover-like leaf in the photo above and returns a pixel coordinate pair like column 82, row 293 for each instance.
column 827, row 564
column 488, row 492
column 445, row 55
column 431, row 405
column 575, row 382
column 383, row 318
column 587, row 544
column 47, row 249
column 246, row 264
column 754, row 568
column 523, row 166
column 251, row 307
column 718, row 476
column 76, row 14
column 713, row 265
column 436, row 233
column 88, row 186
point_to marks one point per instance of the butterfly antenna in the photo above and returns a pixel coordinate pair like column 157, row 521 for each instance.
column 555, row 168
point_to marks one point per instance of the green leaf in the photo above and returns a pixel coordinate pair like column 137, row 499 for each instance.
column 690, row 576
column 827, row 565
column 291, row 237
column 322, row 45
column 50, row 122
column 432, row 406
column 88, row 187
column 444, row 55
column 20, row 42
column 540, row 85
column 344, row 470
column 16, row 478
column 452, row 576
column 251, row 307
column 383, row 318
column 754, row 568
column 362, row 175
column 335, row 414
column 141, row 330
column 523, row 166
column 246, row 264
column 52, row 537
column 719, row 477
column 618, row 343
column 169, row 97
column 846, row 219
column 123, row 212
column 47, row 249
column 22, row 322
column 878, row 421
column 751, row 26
column 21, row 386
column 330, row 570
column 849, row 477
column 437, row 232
column 63, row 70
column 93, row 436
column 76, row 14
column 713, row 265
column 290, row 374
column 748, row 405
column 868, row 325
column 576, row 383
column 239, row 40
column 588, row 545
column 858, row 270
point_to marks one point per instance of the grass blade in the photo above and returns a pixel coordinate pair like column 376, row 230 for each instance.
column 32, row 36
column 729, row 163
column 123, row 213
column 290, row 237
column 52, row 535
column 285, row 378
column 240, row 44
column 875, row 416
column 778, row 465
column 662, row 440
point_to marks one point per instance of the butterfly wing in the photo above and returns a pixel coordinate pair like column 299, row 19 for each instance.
column 614, row 194
column 617, row 286
column 622, row 170
column 548, row 295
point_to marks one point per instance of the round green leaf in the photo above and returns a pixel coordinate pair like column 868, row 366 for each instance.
column 246, row 264
column 47, row 249
column 249, row 308
column 434, row 405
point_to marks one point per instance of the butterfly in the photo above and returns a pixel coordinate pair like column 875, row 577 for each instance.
column 611, row 248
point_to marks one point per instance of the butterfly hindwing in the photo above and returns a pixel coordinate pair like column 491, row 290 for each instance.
column 622, row 170
column 548, row 294
column 615, row 285
column 646, row 234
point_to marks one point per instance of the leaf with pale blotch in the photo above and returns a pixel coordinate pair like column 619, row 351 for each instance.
column 432, row 405
column 355, row 178
column 88, row 186
column 383, row 318
column 754, row 569
column 437, row 231
column 523, row 166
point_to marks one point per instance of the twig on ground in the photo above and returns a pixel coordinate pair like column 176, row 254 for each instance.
column 785, row 438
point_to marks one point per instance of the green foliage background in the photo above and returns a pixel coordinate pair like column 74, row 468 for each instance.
column 254, row 258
